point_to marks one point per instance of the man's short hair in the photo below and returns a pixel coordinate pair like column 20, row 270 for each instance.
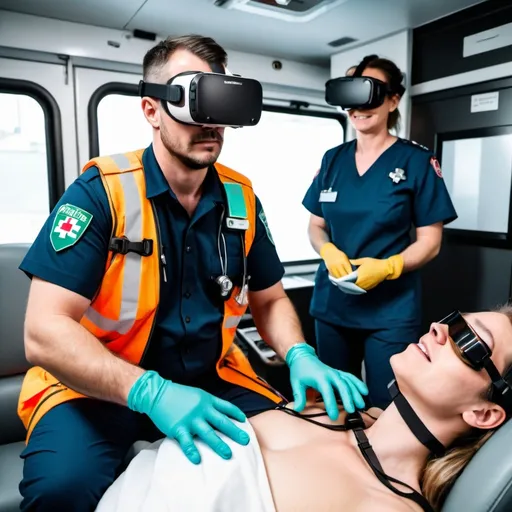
column 203, row 47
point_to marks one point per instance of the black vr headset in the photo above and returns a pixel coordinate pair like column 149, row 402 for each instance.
column 217, row 99
column 361, row 92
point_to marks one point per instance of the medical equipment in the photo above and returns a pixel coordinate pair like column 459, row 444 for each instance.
column 237, row 221
column 360, row 92
column 214, row 99
column 347, row 284
column 267, row 355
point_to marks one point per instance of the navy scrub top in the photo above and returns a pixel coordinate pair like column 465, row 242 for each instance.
column 186, row 340
column 372, row 216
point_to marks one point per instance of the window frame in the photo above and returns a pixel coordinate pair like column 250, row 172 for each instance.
column 469, row 236
column 53, row 132
column 125, row 89
column 300, row 108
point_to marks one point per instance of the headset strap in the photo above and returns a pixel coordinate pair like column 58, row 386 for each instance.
column 373, row 462
column 362, row 65
column 416, row 426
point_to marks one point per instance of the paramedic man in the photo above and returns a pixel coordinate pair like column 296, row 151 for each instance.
column 364, row 201
column 77, row 446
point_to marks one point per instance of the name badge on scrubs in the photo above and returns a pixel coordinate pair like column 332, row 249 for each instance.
column 328, row 196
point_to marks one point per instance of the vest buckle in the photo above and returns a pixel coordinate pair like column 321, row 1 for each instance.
column 122, row 245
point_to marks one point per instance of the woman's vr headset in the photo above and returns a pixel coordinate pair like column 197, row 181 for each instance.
column 475, row 353
column 209, row 99
column 357, row 91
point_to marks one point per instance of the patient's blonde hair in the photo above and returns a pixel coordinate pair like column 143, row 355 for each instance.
column 440, row 473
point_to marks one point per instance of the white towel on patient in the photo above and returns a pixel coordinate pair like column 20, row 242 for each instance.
column 160, row 478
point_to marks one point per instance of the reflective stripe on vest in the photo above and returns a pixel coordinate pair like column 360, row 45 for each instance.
column 132, row 264
column 123, row 312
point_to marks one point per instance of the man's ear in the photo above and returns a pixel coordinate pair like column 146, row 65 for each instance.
column 489, row 416
column 150, row 108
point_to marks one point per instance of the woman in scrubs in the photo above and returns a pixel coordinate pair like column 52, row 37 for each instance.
column 364, row 201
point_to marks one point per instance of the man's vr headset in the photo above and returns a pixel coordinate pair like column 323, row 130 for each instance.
column 361, row 92
column 475, row 353
column 209, row 99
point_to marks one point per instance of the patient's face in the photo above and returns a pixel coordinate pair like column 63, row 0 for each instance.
column 440, row 381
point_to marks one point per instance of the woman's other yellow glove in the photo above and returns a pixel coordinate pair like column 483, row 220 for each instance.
column 372, row 271
column 336, row 261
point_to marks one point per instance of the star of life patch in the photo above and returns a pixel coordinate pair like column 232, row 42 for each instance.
column 69, row 225
column 434, row 162
column 263, row 219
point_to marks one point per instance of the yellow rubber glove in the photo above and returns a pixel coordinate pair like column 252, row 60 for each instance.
column 336, row 261
column 372, row 271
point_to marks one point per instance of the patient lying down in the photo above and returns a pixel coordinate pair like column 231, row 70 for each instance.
column 292, row 465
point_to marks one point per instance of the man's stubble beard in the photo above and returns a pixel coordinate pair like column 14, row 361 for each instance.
column 182, row 154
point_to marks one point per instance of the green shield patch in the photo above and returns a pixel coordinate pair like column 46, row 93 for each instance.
column 263, row 219
column 69, row 225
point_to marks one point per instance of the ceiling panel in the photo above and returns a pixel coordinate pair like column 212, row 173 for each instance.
column 364, row 20
column 103, row 13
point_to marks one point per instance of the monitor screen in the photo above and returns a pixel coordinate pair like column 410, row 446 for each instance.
column 478, row 175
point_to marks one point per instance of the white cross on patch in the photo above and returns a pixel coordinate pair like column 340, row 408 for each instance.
column 67, row 227
column 398, row 175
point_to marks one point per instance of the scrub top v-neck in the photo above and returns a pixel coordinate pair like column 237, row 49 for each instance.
column 371, row 215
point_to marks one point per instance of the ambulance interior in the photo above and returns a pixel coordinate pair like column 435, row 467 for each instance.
column 69, row 71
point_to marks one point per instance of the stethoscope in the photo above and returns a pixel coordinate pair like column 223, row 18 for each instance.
column 223, row 281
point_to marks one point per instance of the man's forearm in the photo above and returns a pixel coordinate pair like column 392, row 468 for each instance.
column 278, row 324
column 70, row 353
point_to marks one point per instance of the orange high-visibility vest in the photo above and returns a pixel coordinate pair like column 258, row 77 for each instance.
column 123, row 312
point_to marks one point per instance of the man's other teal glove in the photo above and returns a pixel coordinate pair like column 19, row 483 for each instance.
column 306, row 370
column 181, row 412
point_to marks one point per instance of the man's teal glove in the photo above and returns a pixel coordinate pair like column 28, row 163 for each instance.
column 181, row 412
column 306, row 370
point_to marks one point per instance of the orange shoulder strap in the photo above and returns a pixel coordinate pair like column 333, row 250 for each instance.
column 229, row 176
column 232, row 175
column 116, row 164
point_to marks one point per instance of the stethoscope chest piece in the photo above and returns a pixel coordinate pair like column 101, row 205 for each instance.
column 225, row 285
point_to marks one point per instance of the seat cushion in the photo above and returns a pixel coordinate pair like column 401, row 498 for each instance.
column 485, row 485
column 11, row 429
column 11, row 470
column 14, row 288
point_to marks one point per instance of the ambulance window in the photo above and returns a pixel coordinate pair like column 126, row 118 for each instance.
column 121, row 125
column 27, row 189
column 280, row 155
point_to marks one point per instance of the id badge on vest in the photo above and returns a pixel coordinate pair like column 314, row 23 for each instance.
column 328, row 196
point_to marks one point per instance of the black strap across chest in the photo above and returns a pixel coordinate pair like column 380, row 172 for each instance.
column 355, row 423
